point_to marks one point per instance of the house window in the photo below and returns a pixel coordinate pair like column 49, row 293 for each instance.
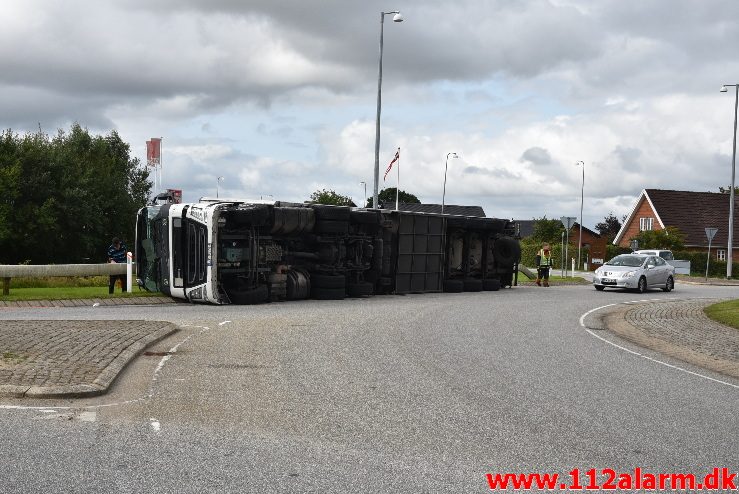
column 645, row 224
column 720, row 255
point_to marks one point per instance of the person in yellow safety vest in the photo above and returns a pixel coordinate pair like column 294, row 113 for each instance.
column 543, row 264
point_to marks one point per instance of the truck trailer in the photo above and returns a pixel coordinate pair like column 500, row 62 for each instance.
column 224, row 251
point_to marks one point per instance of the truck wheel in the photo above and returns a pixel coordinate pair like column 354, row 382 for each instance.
column 287, row 220
column 327, row 293
column 365, row 217
column 331, row 226
column 453, row 286
column 506, row 279
column 257, row 215
column 298, row 284
column 361, row 289
column 335, row 213
column 327, row 281
column 256, row 295
column 472, row 285
column 507, row 251
column 491, row 285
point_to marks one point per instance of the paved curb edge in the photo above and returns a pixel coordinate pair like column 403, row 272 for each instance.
column 102, row 383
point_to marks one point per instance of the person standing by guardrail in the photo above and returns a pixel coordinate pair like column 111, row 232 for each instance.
column 543, row 264
column 117, row 254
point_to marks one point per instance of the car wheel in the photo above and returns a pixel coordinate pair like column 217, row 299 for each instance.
column 600, row 288
column 669, row 285
column 642, row 287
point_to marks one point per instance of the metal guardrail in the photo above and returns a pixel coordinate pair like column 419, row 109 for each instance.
column 9, row 271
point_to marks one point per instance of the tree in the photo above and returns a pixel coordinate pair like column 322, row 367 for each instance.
column 670, row 238
column 727, row 190
column 69, row 195
column 547, row 230
column 387, row 196
column 330, row 197
column 609, row 227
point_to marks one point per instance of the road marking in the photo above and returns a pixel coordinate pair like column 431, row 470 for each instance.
column 224, row 322
column 154, row 423
column 582, row 323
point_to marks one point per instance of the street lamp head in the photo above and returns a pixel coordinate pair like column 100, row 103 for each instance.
column 724, row 89
column 398, row 17
column 453, row 155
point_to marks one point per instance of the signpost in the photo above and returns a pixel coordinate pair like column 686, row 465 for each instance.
column 710, row 233
column 567, row 222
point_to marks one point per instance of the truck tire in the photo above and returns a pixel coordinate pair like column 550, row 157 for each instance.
column 253, row 296
column 327, row 281
column 328, row 293
column 365, row 217
column 332, row 226
column 362, row 289
column 333, row 213
column 491, row 285
column 456, row 222
column 472, row 285
column 257, row 215
column 287, row 221
column 298, row 284
column 453, row 286
column 507, row 251
column 506, row 279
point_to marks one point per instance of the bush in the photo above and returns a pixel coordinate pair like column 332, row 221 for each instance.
column 716, row 269
column 530, row 247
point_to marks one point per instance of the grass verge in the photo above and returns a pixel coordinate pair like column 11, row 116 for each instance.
column 71, row 292
column 725, row 313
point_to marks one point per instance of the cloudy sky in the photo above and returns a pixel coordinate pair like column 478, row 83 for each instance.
column 279, row 96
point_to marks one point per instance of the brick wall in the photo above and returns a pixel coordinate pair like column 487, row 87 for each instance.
column 632, row 230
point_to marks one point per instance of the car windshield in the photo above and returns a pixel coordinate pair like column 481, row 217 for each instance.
column 626, row 260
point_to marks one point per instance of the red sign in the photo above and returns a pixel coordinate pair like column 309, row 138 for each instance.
column 176, row 195
column 154, row 151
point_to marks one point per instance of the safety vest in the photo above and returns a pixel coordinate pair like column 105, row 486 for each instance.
column 545, row 261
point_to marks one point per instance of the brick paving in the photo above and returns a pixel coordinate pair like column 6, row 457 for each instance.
column 70, row 358
column 680, row 329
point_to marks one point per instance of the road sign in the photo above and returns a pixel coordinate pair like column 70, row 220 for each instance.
column 568, row 221
column 710, row 232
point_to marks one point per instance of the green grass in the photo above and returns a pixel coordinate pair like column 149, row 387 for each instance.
column 66, row 288
column 725, row 313
column 67, row 292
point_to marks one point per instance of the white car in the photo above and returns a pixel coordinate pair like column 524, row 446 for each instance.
column 635, row 272
column 664, row 254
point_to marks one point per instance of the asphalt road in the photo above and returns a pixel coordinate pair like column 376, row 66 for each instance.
column 418, row 393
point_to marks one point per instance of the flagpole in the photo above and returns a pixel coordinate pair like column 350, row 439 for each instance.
column 161, row 184
column 397, row 188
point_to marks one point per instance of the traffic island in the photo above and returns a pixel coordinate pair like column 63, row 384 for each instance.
column 70, row 359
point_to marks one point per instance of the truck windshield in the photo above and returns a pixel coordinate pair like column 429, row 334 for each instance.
column 151, row 247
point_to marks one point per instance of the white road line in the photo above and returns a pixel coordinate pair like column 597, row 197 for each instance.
column 582, row 323
column 155, row 425
column 224, row 322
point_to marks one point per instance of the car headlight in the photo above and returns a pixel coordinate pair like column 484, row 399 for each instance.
column 629, row 274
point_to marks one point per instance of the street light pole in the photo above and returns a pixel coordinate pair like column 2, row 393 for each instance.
column 396, row 18
column 730, row 255
column 582, row 196
column 364, row 204
column 218, row 183
column 446, row 165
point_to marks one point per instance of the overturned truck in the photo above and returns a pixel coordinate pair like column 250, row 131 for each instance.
column 235, row 252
